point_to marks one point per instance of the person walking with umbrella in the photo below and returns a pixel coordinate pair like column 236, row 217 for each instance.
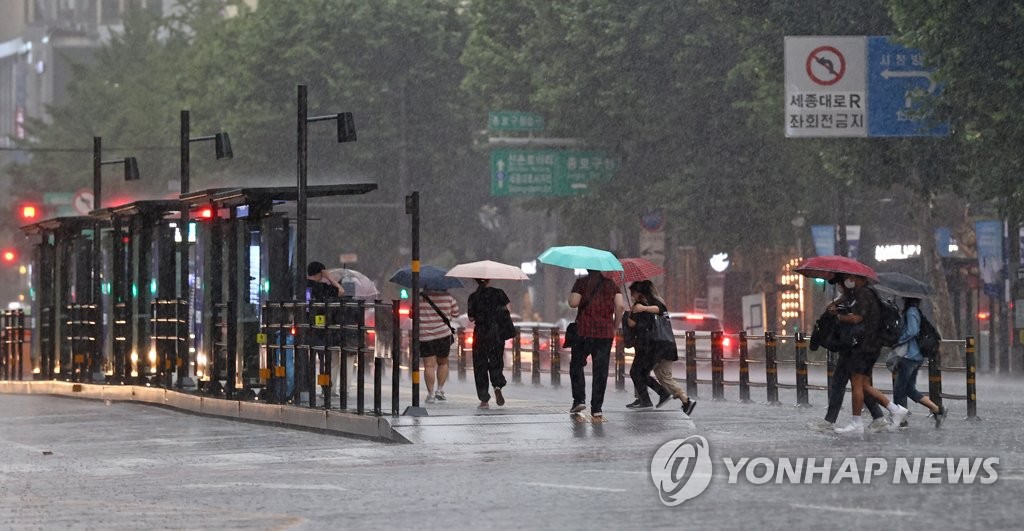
column 910, row 361
column 859, row 307
column 650, row 354
column 487, row 307
column 599, row 305
column 437, row 309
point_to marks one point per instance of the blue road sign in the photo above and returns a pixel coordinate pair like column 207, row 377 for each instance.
column 898, row 85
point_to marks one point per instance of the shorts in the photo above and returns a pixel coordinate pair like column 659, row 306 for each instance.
column 436, row 347
column 860, row 362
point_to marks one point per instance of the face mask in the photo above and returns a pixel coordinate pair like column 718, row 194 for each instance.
column 849, row 284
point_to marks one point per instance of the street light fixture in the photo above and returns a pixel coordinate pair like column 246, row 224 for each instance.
column 222, row 149
column 131, row 173
column 346, row 133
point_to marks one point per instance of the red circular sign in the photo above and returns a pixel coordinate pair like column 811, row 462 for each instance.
column 821, row 65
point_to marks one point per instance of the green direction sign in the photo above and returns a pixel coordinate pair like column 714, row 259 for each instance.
column 547, row 172
column 514, row 121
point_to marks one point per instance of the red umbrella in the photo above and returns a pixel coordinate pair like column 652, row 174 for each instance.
column 826, row 267
column 634, row 269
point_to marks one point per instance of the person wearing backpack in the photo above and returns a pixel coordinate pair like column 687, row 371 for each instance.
column 910, row 361
column 860, row 308
column 837, row 391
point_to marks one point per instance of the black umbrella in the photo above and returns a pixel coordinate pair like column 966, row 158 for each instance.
column 903, row 285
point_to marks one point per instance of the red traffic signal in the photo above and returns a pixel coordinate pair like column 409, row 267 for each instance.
column 28, row 212
column 203, row 213
column 9, row 256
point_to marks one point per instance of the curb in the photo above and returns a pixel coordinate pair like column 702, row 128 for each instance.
column 331, row 422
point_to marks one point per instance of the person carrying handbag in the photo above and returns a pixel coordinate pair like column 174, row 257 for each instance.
column 653, row 351
column 598, row 316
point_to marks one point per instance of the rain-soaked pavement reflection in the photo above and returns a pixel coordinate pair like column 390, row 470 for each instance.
column 80, row 464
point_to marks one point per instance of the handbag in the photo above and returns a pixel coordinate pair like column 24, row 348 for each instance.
column 834, row 335
column 662, row 329
column 629, row 333
column 893, row 358
column 506, row 328
column 571, row 335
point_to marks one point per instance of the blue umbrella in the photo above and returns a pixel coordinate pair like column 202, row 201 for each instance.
column 580, row 257
column 431, row 277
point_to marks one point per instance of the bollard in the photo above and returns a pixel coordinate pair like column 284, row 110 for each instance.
column 556, row 360
column 935, row 375
column 396, row 356
column 462, row 354
column 517, row 358
column 717, row 367
column 378, row 368
column 620, row 362
column 361, row 357
column 691, row 364
column 771, row 375
column 801, row 370
column 972, row 369
column 830, row 367
column 535, row 367
column 556, row 344
column 744, row 370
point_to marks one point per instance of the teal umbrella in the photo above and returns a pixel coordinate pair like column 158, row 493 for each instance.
column 580, row 257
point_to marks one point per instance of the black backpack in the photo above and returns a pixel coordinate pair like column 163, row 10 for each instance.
column 890, row 322
column 928, row 339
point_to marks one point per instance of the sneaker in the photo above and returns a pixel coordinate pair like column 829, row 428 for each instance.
column 851, row 429
column 878, row 425
column 598, row 416
column 822, row 425
column 633, row 404
column 664, row 400
column 899, row 415
column 430, row 399
column 483, row 405
column 577, row 407
column 439, row 395
column 498, row 398
column 940, row 417
column 640, row 405
column 688, row 406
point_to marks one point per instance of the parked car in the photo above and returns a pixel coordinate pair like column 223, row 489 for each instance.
column 702, row 324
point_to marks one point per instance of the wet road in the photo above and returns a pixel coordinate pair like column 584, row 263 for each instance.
column 79, row 464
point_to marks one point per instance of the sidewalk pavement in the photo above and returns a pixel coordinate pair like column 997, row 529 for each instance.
column 529, row 406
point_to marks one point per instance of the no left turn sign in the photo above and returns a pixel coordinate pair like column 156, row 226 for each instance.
column 825, row 65
column 82, row 203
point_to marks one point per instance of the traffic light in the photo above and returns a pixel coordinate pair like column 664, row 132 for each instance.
column 28, row 213
column 403, row 294
column 9, row 256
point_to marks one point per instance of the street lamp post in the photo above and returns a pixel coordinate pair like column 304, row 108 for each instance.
column 346, row 133
column 222, row 146
column 131, row 173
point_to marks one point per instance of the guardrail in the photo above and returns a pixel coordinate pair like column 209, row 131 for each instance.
column 800, row 362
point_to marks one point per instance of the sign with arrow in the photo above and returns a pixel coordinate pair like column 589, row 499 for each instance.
column 840, row 86
column 898, row 86
column 519, row 172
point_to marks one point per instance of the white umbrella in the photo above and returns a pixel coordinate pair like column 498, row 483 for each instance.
column 355, row 283
column 488, row 269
